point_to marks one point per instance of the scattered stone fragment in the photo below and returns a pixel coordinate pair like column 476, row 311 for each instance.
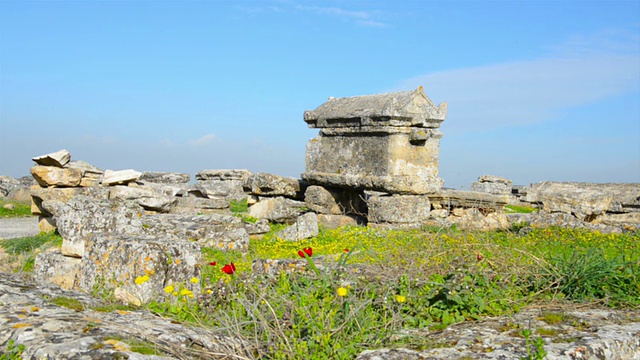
column 120, row 177
column 58, row 158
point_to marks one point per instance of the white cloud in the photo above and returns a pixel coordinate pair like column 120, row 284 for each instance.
column 582, row 70
column 203, row 140
column 361, row 17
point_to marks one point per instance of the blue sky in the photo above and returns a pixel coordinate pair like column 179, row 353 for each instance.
column 539, row 90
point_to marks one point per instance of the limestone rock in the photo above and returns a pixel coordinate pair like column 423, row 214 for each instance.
column 120, row 177
column 40, row 194
column 224, row 232
column 606, row 335
column 21, row 195
column 55, row 176
column 219, row 189
column 7, row 184
column 264, row 184
column 627, row 221
column 336, row 221
column 57, row 159
column 259, row 227
column 306, row 226
column 585, row 200
column 321, row 200
column 138, row 268
column 64, row 271
column 474, row 219
column 223, row 175
column 83, row 215
column 493, row 185
column 451, row 199
column 145, row 197
column 46, row 224
column 277, row 209
column 562, row 219
column 407, row 210
column 49, row 331
column 171, row 190
column 91, row 175
column 165, row 177
column 194, row 205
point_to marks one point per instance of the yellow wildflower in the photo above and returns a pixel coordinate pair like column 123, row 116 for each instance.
column 341, row 292
column 194, row 280
column 141, row 279
column 209, row 291
column 169, row 289
column 400, row 298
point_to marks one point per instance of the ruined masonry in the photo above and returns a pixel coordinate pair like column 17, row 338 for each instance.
column 384, row 142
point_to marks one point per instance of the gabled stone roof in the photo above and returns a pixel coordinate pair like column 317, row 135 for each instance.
column 407, row 108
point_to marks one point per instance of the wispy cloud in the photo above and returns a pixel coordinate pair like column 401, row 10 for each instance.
column 203, row 140
column 525, row 92
column 367, row 18
column 360, row 17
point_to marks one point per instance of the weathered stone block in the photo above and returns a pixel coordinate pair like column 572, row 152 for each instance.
column 263, row 184
column 55, row 176
column 223, row 175
column 57, row 159
column 193, row 205
column 408, row 210
column 585, row 200
column 138, row 268
column 493, row 185
column 277, row 209
column 40, row 194
column 145, row 197
column 53, row 267
column 224, row 232
column 306, row 226
column 82, row 216
column 165, row 177
column 451, row 199
column 91, row 175
column 321, row 200
column 335, row 221
column 385, row 142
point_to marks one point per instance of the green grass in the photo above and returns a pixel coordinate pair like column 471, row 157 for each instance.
column 28, row 244
column 517, row 209
column 19, row 209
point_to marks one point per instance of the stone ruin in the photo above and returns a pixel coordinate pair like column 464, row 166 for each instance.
column 385, row 142
column 374, row 162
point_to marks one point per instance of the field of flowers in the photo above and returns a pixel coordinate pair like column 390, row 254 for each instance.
column 373, row 283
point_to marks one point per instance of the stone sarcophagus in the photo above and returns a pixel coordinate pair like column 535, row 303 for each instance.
column 383, row 142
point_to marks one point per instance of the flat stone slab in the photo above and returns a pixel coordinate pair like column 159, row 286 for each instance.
column 18, row 227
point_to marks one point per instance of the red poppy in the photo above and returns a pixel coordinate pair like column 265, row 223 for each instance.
column 229, row 269
column 307, row 251
column 479, row 257
column 346, row 250
column 213, row 263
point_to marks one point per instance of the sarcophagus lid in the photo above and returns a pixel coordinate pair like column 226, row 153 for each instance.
column 407, row 108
